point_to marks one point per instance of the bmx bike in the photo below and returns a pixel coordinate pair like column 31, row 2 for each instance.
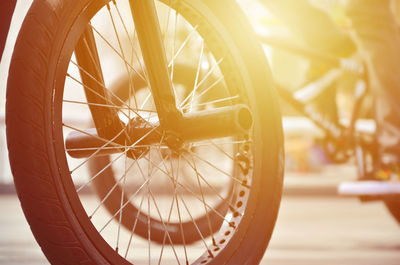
column 347, row 135
column 194, row 173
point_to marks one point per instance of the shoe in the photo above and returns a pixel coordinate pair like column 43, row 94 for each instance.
column 385, row 182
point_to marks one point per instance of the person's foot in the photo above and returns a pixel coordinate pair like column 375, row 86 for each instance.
column 384, row 182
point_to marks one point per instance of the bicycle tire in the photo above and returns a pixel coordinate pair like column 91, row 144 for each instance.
column 37, row 155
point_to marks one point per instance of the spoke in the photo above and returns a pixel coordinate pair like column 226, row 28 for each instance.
column 161, row 219
column 206, row 90
column 126, row 203
column 170, row 209
column 146, row 183
column 208, row 184
column 94, row 60
column 93, row 135
column 164, row 35
column 190, row 191
column 173, row 52
column 115, row 50
column 148, row 223
column 98, row 173
column 106, row 106
column 95, row 92
column 179, row 214
column 223, row 143
column 134, row 226
column 94, row 104
column 97, row 81
column 165, row 234
column 113, row 187
column 123, row 55
column 92, row 90
column 106, row 142
column 174, row 199
column 115, row 147
column 183, row 45
column 220, row 170
column 132, row 42
column 149, row 171
column 112, row 93
column 146, row 100
column 155, row 203
column 174, row 42
column 184, row 102
column 197, row 76
column 204, row 202
column 197, row 228
column 221, row 150
column 212, row 102
column 109, row 164
column 141, row 172
column 122, row 202
column 153, row 199
column 175, row 194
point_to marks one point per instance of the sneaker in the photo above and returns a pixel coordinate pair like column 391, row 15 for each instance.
column 385, row 182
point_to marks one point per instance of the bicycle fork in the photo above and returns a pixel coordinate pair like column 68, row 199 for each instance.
column 173, row 126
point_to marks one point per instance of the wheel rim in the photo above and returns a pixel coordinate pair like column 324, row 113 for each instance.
column 210, row 247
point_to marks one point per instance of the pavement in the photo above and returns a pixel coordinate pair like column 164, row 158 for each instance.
column 310, row 230
column 314, row 227
column 323, row 182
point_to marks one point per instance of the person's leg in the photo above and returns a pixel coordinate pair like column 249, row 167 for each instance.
column 312, row 25
column 377, row 35
column 6, row 11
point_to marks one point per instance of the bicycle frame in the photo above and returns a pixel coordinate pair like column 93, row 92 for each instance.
column 340, row 138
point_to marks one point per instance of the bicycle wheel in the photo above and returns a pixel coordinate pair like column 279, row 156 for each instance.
column 68, row 221
column 185, row 76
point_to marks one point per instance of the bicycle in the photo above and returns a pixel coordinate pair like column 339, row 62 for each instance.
column 343, row 140
column 64, row 63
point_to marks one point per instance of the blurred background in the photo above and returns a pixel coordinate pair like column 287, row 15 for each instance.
column 315, row 225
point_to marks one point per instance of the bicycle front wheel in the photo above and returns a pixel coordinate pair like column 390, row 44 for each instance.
column 214, row 201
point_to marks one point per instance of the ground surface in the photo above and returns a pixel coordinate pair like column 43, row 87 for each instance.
column 310, row 230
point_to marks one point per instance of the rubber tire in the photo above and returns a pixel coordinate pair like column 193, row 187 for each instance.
column 32, row 146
